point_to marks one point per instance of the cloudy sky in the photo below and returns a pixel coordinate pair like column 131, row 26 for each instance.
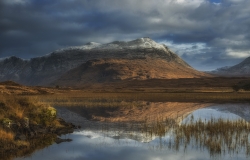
column 206, row 33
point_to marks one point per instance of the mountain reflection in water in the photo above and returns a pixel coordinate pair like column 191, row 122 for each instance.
column 216, row 132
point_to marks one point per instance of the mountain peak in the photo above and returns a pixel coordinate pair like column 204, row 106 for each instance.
column 144, row 39
column 138, row 40
column 147, row 42
column 140, row 43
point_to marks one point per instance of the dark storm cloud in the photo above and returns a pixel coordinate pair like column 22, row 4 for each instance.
column 203, row 32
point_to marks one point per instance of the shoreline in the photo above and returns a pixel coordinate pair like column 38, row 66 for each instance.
column 33, row 138
column 78, row 98
column 27, row 125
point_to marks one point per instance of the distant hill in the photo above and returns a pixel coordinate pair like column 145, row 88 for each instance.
column 241, row 69
column 10, row 88
column 10, row 83
column 142, row 58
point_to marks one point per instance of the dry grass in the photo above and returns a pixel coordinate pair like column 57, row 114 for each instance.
column 6, row 136
column 218, row 136
column 15, row 110
column 83, row 98
column 10, row 88
column 109, row 70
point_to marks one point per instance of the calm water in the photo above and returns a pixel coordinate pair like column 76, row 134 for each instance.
column 109, row 141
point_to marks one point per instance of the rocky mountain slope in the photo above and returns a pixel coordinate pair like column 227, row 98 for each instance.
column 241, row 69
column 47, row 69
column 111, row 70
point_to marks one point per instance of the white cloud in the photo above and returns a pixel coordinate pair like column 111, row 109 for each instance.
column 237, row 41
column 13, row 2
column 186, row 48
column 235, row 1
column 237, row 53
column 189, row 2
column 154, row 20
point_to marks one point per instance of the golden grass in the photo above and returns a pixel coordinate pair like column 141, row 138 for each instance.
column 19, row 113
column 82, row 98
column 22, row 143
column 6, row 136
column 218, row 136
column 15, row 110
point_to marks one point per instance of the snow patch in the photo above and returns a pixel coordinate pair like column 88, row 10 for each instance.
column 141, row 43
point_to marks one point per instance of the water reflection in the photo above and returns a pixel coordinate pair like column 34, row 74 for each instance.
column 208, row 133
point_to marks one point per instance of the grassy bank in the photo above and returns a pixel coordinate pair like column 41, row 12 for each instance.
column 81, row 98
column 23, row 125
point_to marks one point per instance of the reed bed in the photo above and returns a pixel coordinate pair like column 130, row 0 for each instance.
column 157, row 126
column 218, row 136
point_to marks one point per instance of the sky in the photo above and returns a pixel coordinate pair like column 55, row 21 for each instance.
column 207, row 34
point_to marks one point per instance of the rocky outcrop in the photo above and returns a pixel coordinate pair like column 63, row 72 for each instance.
column 36, row 136
column 24, row 131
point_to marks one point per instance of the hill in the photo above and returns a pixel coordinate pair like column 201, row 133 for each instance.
column 241, row 69
column 13, row 88
column 114, row 70
column 142, row 52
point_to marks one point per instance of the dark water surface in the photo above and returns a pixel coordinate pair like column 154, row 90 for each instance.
column 107, row 141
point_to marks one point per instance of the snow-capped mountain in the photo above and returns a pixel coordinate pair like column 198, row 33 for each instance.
column 241, row 69
column 46, row 69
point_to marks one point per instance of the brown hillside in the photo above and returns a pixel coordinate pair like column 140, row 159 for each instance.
column 112, row 70
column 10, row 87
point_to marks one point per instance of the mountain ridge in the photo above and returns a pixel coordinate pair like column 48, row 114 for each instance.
column 240, row 69
column 46, row 69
